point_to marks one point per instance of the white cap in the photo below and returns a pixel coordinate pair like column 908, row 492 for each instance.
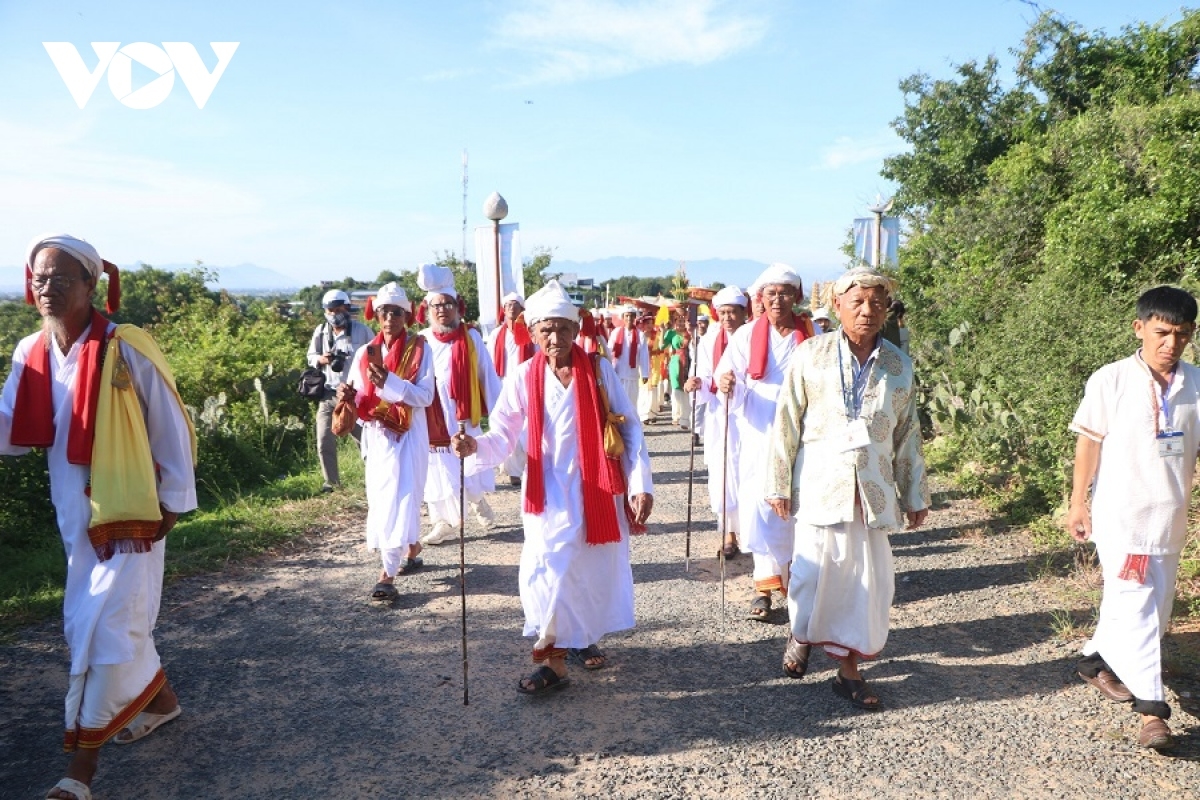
column 821, row 313
column 550, row 302
column 729, row 296
column 392, row 294
column 778, row 274
column 628, row 309
column 333, row 297
column 434, row 279
column 510, row 297
column 78, row 249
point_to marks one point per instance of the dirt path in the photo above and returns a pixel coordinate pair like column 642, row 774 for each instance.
column 295, row 685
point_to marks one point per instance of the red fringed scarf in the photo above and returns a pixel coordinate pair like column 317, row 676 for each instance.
column 500, row 352
column 718, row 350
column 403, row 358
column 619, row 346
column 33, row 411
column 760, row 342
column 601, row 475
column 464, row 376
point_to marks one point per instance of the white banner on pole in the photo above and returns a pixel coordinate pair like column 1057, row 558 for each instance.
column 864, row 240
column 512, row 275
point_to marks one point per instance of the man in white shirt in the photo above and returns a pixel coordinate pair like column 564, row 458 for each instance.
column 1137, row 445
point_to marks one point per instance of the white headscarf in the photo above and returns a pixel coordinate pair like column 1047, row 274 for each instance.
column 434, row 279
column 392, row 294
column 865, row 277
column 78, row 249
column 550, row 302
column 729, row 296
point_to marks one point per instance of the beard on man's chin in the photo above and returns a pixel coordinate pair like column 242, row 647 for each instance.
column 54, row 327
column 437, row 327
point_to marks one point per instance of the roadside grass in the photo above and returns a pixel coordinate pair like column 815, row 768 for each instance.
column 235, row 528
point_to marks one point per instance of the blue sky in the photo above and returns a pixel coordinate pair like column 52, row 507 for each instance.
column 332, row 144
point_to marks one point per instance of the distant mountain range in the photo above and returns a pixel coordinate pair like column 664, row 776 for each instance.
column 240, row 278
column 739, row 271
column 253, row 278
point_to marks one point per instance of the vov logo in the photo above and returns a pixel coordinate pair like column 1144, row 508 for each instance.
column 172, row 57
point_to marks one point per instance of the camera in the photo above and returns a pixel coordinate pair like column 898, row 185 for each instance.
column 337, row 361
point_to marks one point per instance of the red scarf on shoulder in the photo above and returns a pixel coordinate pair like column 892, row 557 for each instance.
column 760, row 343
column 33, row 411
column 619, row 346
column 601, row 475
column 465, row 388
column 500, row 352
column 403, row 358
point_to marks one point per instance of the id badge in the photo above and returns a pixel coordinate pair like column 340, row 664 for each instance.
column 854, row 436
column 1170, row 444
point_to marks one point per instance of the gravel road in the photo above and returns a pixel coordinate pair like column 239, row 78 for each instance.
column 295, row 685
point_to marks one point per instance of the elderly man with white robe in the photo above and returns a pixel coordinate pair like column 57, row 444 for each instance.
column 630, row 353
column 751, row 373
column 467, row 387
column 510, row 345
column 845, row 459
column 101, row 400
column 390, row 383
column 576, row 583
column 721, row 451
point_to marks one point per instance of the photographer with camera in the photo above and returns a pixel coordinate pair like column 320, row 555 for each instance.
column 333, row 345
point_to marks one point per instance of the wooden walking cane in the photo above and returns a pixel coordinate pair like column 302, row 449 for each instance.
column 462, row 555
column 687, row 548
column 724, row 504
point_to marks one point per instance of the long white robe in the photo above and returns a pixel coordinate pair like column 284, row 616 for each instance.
column 396, row 465
column 630, row 377
column 721, row 455
column 442, row 482
column 752, row 413
column 110, row 607
column 573, row 593
column 514, row 465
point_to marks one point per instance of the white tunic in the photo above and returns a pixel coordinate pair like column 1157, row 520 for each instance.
column 109, row 607
column 396, row 465
column 442, row 481
column 719, row 452
column 572, row 592
column 752, row 413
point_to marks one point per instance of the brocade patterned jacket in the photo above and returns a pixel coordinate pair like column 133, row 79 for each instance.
column 810, row 424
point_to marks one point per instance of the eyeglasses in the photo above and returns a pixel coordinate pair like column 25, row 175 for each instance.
column 442, row 306
column 389, row 311
column 59, row 283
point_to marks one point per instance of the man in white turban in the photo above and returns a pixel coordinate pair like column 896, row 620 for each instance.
column 630, row 353
column 575, row 579
column 101, row 400
column 467, row 387
column 845, row 459
column 510, row 345
column 390, row 383
column 721, row 449
column 750, row 373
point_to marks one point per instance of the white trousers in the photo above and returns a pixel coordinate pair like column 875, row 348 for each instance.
column 1133, row 620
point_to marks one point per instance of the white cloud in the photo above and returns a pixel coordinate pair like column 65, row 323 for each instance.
column 847, row 151
column 579, row 39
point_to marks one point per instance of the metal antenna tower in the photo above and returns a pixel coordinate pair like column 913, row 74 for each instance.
column 464, row 249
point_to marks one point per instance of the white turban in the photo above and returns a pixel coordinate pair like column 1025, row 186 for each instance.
column 778, row 274
column 78, row 249
column 550, row 302
column 729, row 296
column 434, row 279
column 628, row 309
column 865, row 277
column 510, row 297
column 392, row 294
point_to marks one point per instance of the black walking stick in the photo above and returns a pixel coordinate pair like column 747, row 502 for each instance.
column 687, row 550
column 462, row 555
